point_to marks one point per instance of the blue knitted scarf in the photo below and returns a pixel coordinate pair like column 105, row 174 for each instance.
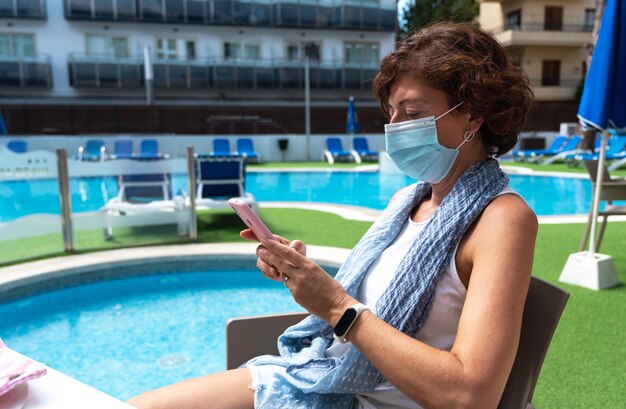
column 305, row 378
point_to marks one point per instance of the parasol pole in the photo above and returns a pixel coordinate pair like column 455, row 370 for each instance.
column 595, row 209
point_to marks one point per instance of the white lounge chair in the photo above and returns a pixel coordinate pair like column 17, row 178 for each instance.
column 145, row 199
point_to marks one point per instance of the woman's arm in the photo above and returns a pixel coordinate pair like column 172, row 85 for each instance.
column 498, row 251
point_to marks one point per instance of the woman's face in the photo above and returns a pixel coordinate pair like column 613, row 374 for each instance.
column 411, row 98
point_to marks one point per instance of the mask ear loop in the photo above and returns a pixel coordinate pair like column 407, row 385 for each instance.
column 468, row 136
column 450, row 110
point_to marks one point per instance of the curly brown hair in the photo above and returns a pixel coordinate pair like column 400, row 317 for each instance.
column 468, row 65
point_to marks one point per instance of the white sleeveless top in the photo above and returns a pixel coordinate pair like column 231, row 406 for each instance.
column 439, row 330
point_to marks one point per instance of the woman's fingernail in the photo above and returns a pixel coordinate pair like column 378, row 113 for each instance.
column 273, row 272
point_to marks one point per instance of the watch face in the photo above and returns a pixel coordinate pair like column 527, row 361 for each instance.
column 344, row 322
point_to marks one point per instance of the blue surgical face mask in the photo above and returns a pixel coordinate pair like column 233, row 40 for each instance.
column 414, row 148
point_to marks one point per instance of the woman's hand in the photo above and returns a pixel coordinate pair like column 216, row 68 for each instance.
column 311, row 286
column 268, row 270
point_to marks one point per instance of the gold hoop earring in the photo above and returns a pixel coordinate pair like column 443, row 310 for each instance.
column 468, row 136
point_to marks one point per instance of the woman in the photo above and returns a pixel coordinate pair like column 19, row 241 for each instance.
column 426, row 311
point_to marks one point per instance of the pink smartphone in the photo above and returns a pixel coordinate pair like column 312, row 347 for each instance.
column 251, row 219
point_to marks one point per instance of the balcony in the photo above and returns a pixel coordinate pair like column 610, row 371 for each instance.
column 538, row 33
column 563, row 90
column 25, row 72
column 102, row 72
column 101, row 10
column 27, row 9
column 261, row 75
column 323, row 14
column 105, row 72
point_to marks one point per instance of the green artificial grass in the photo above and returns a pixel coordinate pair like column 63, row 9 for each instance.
column 584, row 367
column 278, row 165
column 559, row 167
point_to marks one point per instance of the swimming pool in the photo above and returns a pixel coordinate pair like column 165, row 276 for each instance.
column 129, row 335
column 547, row 195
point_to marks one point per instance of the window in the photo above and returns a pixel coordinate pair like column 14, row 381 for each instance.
column 590, row 19
column 297, row 51
column 241, row 51
column 175, row 49
column 554, row 18
column 190, row 50
column 17, row 44
column 361, row 53
column 514, row 20
column 551, row 73
column 166, row 49
column 107, row 46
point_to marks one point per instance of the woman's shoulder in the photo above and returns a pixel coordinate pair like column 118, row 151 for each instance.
column 509, row 210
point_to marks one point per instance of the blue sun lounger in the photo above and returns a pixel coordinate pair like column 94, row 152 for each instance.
column 334, row 151
column 555, row 148
column 615, row 150
column 94, row 150
column 221, row 148
column 571, row 146
column 245, row 148
column 149, row 150
column 122, row 149
column 362, row 149
column 219, row 179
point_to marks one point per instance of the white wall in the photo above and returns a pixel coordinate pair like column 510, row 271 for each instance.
column 176, row 146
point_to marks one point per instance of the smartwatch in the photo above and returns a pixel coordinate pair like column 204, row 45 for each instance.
column 347, row 320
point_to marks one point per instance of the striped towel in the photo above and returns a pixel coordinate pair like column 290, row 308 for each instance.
column 16, row 369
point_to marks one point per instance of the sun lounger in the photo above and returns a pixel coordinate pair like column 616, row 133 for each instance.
column 149, row 150
column 334, row 151
column 122, row 149
column 616, row 150
column 362, row 149
column 221, row 148
column 245, row 148
column 555, row 148
column 571, row 146
column 150, row 197
column 219, row 179
column 94, row 150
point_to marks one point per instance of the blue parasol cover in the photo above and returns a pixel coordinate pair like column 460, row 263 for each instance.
column 603, row 102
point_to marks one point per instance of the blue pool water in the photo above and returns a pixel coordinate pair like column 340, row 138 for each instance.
column 545, row 194
column 127, row 336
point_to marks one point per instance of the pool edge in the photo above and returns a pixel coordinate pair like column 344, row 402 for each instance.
column 25, row 279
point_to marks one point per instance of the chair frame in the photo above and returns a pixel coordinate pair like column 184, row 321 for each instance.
column 247, row 337
column 612, row 190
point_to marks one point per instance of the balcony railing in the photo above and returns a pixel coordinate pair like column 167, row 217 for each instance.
column 101, row 10
column 555, row 82
column 100, row 72
column 31, row 9
column 23, row 71
column 376, row 15
column 105, row 72
column 542, row 26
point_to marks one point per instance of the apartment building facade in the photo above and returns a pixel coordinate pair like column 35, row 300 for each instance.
column 550, row 40
column 190, row 66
